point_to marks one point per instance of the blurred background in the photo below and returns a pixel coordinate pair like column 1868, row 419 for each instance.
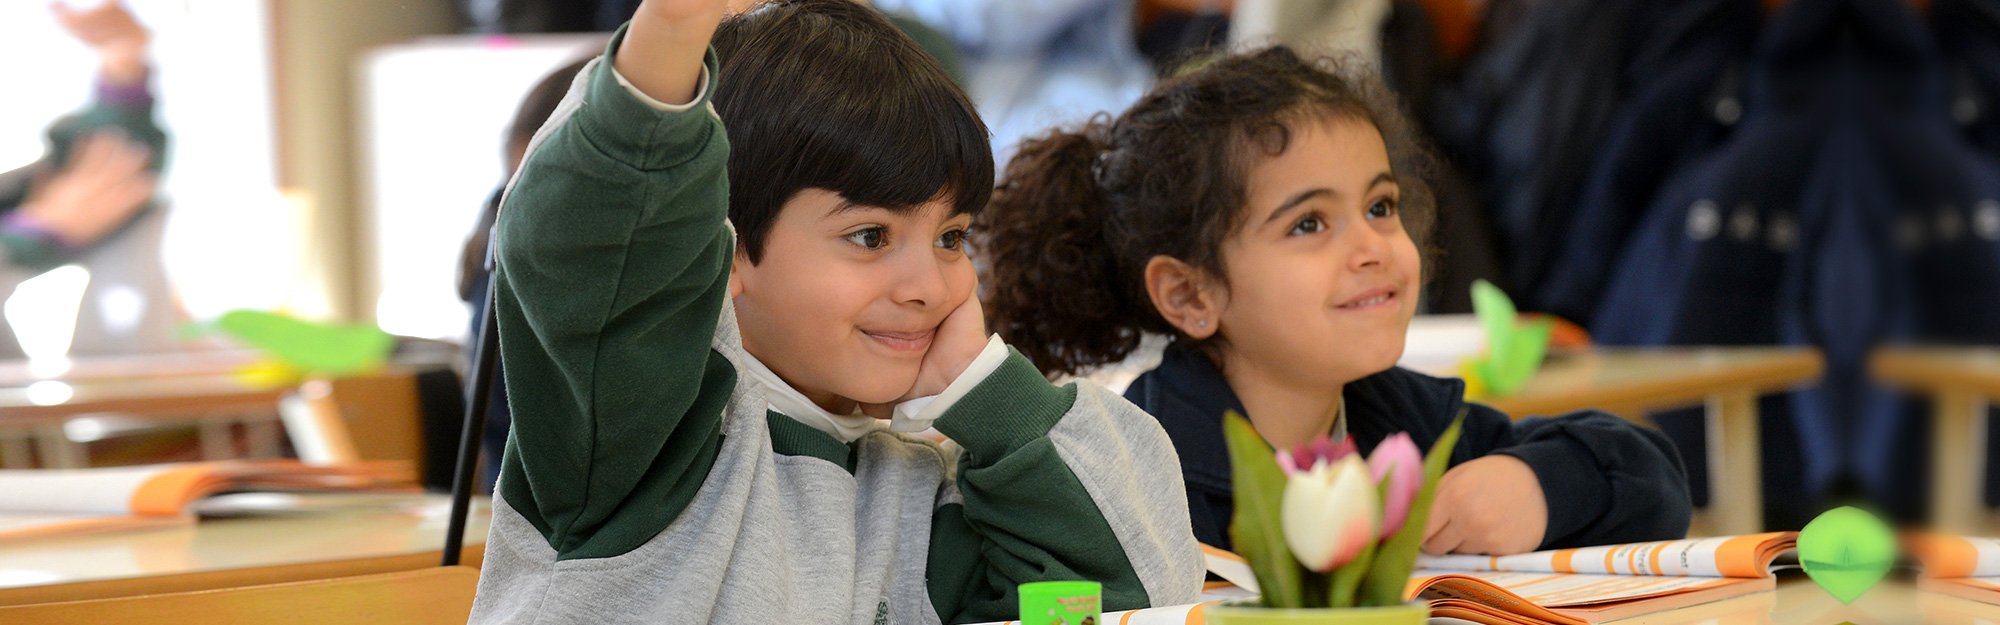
column 1813, row 177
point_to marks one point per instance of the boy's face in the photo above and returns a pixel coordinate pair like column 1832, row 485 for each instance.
column 847, row 298
column 1322, row 279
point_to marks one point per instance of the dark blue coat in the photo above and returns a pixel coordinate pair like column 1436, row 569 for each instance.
column 1607, row 480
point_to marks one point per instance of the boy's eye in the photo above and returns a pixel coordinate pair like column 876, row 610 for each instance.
column 870, row 238
column 1382, row 208
column 1309, row 225
column 952, row 239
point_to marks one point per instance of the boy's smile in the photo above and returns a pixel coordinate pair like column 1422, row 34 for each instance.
column 904, row 344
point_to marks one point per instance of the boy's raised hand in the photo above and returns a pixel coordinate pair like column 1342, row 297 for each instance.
column 662, row 52
column 1490, row 505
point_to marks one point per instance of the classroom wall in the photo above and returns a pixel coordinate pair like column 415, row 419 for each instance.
column 316, row 44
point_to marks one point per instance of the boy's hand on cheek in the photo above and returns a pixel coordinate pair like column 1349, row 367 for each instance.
column 959, row 340
column 1491, row 505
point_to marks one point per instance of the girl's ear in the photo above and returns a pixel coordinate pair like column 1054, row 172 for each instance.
column 739, row 267
column 1187, row 297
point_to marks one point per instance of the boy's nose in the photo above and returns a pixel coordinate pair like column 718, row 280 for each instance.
column 920, row 280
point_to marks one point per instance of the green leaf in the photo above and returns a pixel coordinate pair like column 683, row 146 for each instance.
column 1389, row 574
column 1256, row 530
column 311, row 347
column 1346, row 580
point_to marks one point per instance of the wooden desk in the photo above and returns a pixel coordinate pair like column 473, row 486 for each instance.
column 362, row 538
column 1961, row 382
column 1728, row 380
column 429, row 596
column 1797, row 601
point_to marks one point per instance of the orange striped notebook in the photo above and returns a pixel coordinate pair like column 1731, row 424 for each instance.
column 42, row 502
column 1582, row 586
column 1961, row 566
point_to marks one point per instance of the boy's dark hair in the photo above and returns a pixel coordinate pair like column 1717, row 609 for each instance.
column 828, row 94
column 1078, row 214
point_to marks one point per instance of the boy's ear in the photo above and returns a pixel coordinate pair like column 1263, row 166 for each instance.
column 739, row 264
column 1185, row 296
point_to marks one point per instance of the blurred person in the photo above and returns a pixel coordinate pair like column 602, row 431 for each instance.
column 473, row 274
column 1033, row 65
column 91, row 199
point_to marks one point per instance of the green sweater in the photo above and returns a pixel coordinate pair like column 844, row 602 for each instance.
column 647, row 480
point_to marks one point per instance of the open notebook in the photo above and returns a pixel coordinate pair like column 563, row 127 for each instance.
column 1560, row 587
column 1961, row 566
column 42, row 502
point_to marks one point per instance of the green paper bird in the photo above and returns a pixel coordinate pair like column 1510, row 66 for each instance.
column 1514, row 350
column 295, row 348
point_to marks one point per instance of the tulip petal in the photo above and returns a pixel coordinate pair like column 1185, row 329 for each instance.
column 1397, row 461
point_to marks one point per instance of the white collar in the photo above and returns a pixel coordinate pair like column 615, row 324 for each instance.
column 790, row 402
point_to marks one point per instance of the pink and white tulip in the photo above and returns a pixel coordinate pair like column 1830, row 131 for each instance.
column 1397, row 461
column 1329, row 512
column 1319, row 449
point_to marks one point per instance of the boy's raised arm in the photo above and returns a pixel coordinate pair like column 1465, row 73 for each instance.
column 662, row 52
column 614, row 254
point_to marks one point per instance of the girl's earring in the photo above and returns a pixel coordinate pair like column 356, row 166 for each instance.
column 1201, row 323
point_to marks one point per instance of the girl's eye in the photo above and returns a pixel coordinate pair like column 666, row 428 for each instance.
column 952, row 239
column 1309, row 225
column 1382, row 208
column 870, row 238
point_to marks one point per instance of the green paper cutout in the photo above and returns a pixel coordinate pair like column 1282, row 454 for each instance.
column 1513, row 350
column 1846, row 551
column 314, row 348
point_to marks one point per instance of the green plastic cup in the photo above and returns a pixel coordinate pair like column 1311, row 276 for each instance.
column 1061, row 603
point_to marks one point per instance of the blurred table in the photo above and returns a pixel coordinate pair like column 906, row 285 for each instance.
column 21, row 373
column 368, row 534
column 1632, row 382
column 1961, row 381
column 214, row 401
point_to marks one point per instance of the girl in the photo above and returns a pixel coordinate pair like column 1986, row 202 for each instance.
column 1266, row 212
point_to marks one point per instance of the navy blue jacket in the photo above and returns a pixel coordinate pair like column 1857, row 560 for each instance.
column 1607, row 480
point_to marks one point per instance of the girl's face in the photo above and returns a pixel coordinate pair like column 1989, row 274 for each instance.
column 847, row 298
column 1322, row 279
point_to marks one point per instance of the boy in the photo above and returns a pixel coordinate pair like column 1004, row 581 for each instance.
column 710, row 428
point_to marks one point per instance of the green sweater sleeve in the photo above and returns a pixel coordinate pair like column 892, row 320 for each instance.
column 614, row 255
column 1058, row 483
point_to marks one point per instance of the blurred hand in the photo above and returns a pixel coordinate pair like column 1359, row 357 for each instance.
column 99, row 189
column 1491, row 505
column 111, row 30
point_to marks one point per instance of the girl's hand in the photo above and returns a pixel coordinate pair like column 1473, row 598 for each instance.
column 662, row 52
column 1491, row 505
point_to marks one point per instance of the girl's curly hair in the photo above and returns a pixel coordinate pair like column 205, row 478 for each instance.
column 1078, row 213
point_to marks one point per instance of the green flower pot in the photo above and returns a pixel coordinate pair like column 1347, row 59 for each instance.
column 1237, row 613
